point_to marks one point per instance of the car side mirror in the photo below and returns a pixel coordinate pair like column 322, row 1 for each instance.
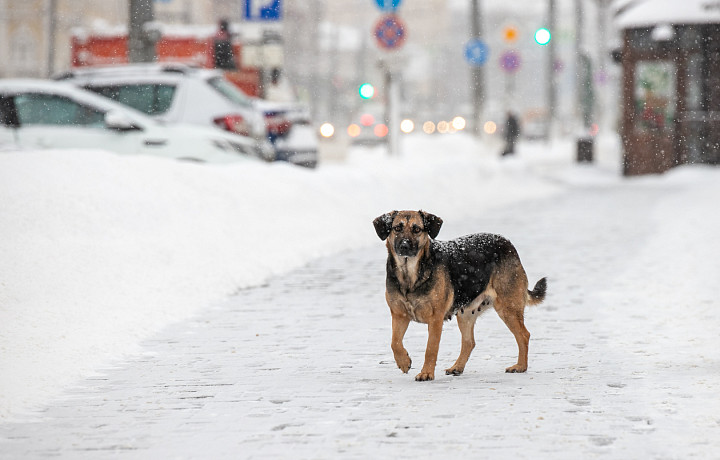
column 118, row 121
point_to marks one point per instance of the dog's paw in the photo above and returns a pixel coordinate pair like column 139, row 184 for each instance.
column 404, row 362
column 516, row 369
column 454, row 371
column 425, row 376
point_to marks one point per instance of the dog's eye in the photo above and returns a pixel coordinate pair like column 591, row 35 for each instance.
column 398, row 228
column 416, row 229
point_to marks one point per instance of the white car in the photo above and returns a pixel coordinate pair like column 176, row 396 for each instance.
column 179, row 93
column 46, row 114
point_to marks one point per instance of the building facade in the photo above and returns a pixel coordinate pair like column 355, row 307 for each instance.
column 671, row 85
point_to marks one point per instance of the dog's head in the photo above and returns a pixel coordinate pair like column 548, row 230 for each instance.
column 407, row 231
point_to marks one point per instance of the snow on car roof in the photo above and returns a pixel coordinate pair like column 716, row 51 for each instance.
column 644, row 13
column 156, row 70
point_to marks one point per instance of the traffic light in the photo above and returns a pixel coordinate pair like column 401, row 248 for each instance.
column 542, row 36
column 366, row 90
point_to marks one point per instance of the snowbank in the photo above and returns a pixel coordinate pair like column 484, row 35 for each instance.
column 98, row 251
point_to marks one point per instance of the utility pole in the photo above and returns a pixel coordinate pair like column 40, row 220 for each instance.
column 141, row 45
column 552, row 83
column 52, row 28
column 477, row 76
column 579, row 20
column 603, row 55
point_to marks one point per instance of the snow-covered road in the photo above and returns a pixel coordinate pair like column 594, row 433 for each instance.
column 623, row 356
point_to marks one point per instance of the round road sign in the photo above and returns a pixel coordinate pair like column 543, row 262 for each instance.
column 510, row 61
column 476, row 52
column 388, row 5
column 390, row 32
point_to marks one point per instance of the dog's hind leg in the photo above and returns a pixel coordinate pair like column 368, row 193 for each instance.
column 466, row 322
column 399, row 326
column 514, row 321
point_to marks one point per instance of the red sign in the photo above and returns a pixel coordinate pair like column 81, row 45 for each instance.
column 390, row 32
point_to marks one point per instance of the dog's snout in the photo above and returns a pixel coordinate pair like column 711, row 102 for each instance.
column 405, row 247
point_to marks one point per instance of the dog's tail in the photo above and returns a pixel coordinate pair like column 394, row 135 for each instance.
column 537, row 295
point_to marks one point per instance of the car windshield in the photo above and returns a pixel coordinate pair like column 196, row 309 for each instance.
column 151, row 99
column 49, row 109
column 229, row 91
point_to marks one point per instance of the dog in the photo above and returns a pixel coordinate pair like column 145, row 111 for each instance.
column 431, row 281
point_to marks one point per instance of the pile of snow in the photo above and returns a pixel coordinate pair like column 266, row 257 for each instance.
column 98, row 251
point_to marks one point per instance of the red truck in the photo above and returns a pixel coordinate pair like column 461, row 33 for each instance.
column 192, row 45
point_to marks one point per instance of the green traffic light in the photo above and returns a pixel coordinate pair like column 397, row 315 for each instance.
column 366, row 90
column 542, row 36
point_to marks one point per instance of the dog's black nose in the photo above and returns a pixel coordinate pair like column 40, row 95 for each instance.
column 404, row 247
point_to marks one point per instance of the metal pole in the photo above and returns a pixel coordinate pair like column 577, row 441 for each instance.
column 551, row 88
column 602, row 63
column 578, row 63
column 52, row 28
column 141, row 47
column 477, row 77
column 392, row 118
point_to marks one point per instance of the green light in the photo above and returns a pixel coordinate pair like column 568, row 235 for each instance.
column 367, row 91
column 542, row 36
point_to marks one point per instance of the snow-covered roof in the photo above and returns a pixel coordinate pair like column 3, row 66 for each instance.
column 247, row 31
column 644, row 13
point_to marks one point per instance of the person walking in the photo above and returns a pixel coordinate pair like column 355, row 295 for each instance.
column 512, row 132
column 223, row 55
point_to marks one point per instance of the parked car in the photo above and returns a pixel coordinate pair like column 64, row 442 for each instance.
column 179, row 93
column 368, row 126
column 48, row 114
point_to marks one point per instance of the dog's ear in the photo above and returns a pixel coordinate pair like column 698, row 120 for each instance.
column 432, row 223
column 383, row 224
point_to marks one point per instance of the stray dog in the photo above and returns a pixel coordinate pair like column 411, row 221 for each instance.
column 429, row 281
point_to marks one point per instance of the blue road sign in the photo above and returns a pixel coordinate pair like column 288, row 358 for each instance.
column 388, row 5
column 263, row 10
column 476, row 52
column 390, row 32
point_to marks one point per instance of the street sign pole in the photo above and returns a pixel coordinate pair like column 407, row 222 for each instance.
column 390, row 35
column 392, row 111
column 510, row 63
column 477, row 77
column 552, row 81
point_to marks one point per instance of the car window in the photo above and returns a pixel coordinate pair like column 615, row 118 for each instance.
column 8, row 115
column 151, row 99
column 229, row 91
column 50, row 109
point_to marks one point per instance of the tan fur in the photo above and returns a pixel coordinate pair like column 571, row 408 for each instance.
column 506, row 292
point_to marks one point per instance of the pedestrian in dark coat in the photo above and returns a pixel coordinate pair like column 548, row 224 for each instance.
column 222, row 47
column 512, row 132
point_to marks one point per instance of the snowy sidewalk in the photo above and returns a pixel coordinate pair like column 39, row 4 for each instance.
column 302, row 367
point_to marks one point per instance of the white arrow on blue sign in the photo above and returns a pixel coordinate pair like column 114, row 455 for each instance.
column 476, row 52
column 263, row 10
column 388, row 5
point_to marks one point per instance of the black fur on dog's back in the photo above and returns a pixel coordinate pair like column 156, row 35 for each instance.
column 471, row 261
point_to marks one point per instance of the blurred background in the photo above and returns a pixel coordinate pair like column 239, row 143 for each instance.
column 370, row 71
column 327, row 49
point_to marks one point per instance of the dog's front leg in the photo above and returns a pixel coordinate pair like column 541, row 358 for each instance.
column 400, row 324
column 427, row 372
